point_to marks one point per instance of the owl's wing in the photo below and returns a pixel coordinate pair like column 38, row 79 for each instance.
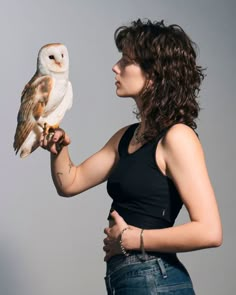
column 33, row 101
column 28, row 85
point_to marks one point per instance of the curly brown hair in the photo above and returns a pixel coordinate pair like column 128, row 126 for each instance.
column 168, row 58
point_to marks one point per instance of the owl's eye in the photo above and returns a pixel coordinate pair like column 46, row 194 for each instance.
column 51, row 57
column 62, row 55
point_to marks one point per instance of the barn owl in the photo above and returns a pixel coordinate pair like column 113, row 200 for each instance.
column 45, row 98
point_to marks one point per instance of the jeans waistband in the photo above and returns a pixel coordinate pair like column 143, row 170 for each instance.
column 136, row 256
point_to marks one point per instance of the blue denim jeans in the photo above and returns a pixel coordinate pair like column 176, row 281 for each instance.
column 150, row 274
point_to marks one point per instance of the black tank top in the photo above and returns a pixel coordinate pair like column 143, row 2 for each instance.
column 141, row 193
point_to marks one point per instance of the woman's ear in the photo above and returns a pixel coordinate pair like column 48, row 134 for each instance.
column 149, row 82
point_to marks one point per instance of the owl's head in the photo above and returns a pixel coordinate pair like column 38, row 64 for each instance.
column 53, row 58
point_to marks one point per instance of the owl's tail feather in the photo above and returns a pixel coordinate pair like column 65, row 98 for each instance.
column 26, row 152
column 22, row 131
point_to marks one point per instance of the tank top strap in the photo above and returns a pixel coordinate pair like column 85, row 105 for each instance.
column 125, row 139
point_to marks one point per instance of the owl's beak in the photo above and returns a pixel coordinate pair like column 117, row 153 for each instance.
column 58, row 63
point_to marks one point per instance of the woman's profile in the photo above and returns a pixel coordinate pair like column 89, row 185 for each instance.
column 152, row 168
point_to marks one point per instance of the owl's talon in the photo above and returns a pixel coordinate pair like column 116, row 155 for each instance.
column 51, row 129
column 45, row 129
column 50, row 135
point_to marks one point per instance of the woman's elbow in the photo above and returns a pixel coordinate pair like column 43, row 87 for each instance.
column 215, row 238
column 217, row 241
column 63, row 194
column 66, row 193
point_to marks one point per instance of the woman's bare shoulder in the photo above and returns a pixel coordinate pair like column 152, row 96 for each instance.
column 179, row 135
column 181, row 142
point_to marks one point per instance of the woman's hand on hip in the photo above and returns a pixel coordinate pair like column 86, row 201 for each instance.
column 112, row 241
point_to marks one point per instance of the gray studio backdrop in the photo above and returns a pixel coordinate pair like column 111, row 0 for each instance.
column 51, row 245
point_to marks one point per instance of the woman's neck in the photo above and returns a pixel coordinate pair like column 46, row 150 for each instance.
column 141, row 126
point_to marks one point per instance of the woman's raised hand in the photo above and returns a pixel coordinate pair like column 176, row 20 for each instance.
column 54, row 140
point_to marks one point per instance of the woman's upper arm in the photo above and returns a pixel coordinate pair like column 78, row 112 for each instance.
column 96, row 168
column 185, row 165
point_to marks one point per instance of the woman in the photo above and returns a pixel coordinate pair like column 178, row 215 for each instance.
column 151, row 167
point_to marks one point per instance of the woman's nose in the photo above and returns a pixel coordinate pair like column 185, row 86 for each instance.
column 115, row 68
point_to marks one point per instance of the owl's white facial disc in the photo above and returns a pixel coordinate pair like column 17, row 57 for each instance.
column 53, row 58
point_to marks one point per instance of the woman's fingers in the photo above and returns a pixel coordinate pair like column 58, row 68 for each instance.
column 106, row 248
column 107, row 230
column 106, row 241
column 59, row 135
column 54, row 140
column 111, row 247
column 108, row 253
column 107, row 257
column 47, row 144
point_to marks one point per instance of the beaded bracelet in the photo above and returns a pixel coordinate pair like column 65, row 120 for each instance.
column 121, row 243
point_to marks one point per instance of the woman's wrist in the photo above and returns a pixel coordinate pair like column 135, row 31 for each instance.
column 131, row 239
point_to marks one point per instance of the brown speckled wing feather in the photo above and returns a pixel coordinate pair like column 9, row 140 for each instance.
column 33, row 101
column 35, row 77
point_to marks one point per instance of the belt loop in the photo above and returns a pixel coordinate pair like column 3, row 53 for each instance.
column 162, row 267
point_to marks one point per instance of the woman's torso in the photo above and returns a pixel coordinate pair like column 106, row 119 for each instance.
column 141, row 193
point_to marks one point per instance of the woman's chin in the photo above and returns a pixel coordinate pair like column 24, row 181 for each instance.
column 121, row 93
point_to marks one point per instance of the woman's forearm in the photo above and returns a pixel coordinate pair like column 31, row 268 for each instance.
column 63, row 171
column 182, row 238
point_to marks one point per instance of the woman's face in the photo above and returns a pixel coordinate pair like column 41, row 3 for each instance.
column 130, row 79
